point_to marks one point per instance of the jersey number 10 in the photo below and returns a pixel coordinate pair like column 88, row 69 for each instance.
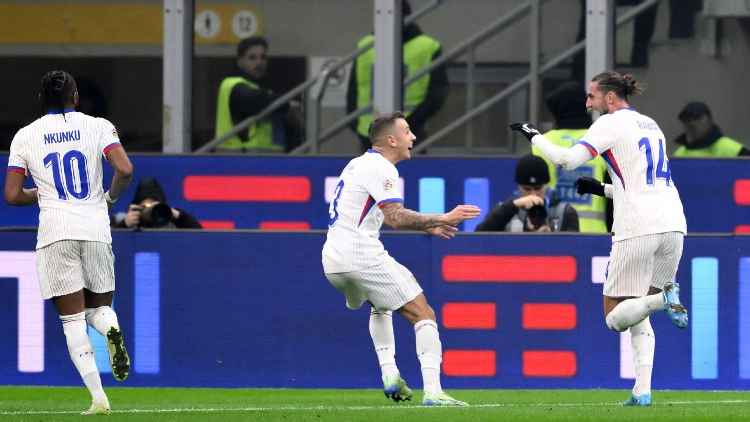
column 76, row 182
column 662, row 168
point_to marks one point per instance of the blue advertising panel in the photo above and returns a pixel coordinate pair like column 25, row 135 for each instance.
column 273, row 192
column 253, row 309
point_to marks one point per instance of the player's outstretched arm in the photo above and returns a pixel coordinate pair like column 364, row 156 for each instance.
column 402, row 218
column 568, row 158
column 123, row 173
column 15, row 193
column 444, row 232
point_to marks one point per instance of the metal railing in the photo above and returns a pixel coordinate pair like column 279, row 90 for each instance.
column 314, row 139
column 510, row 90
column 305, row 86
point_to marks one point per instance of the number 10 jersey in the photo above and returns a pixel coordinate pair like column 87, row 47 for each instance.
column 63, row 153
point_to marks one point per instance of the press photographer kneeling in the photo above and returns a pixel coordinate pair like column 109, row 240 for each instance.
column 533, row 209
column 149, row 209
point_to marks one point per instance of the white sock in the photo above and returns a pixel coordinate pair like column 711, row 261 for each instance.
column 381, row 331
column 430, row 354
column 643, row 341
column 102, row 319
column 632, row 311
column 82, row 354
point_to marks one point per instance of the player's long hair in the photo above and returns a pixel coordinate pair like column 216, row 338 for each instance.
column 57, row 90
column 622, row 85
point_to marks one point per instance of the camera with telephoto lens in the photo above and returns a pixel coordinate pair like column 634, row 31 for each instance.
column 537, row 215
column 156, row 215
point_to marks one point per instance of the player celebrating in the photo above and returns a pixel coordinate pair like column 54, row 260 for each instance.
column 357, row 265
column 62, row 151
column 649, row 223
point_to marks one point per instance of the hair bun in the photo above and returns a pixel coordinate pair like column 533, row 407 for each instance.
column 631, row 85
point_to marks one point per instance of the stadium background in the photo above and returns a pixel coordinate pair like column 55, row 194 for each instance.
column 515, row 311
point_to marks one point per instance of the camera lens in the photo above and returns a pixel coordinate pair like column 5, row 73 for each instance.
column 157, row 215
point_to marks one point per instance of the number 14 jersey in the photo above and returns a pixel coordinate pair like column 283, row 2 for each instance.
column 63, row 153
column 645, row 197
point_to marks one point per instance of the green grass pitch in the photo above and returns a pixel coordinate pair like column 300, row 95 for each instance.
column 193, row 404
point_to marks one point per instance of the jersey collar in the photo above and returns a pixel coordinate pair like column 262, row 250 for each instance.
column 58, row 111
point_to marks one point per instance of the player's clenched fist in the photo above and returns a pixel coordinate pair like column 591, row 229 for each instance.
column 461, row 213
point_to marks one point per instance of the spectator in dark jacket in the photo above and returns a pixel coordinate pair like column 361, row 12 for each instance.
column 535, row 209
column 149, row 209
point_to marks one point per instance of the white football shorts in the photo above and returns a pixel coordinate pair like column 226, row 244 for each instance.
column 637, row 263
column 388, row 286
column 67, row 266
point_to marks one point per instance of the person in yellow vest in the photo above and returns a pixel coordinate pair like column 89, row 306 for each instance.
column 568, row 106
column 421, row 100
column 703, row 137
column 243, row 95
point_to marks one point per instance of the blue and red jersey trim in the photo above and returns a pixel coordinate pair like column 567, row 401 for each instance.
column 389, row 200
column 368, row 205
column 110, row 147
column 16, row 169
column 612, row 162
column 589, row 147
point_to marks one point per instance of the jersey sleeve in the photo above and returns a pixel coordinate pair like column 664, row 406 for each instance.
column 382, row 185
column 600, row 137
column 16, row 160
column 109, row 138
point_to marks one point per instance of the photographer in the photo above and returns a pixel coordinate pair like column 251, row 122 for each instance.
column 149, row 209
column 534, row 209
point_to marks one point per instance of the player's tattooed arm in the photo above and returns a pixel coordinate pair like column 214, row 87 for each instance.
column 399, row 217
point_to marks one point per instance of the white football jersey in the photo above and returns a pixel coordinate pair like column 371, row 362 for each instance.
column 353, row 240
column 63, row 153
column 645, row 197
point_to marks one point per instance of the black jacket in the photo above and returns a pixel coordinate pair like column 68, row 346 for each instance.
column 501, row 214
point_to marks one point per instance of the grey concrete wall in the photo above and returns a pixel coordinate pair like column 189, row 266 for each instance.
column 679, row 71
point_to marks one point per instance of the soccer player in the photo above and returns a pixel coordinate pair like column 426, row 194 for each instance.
column 62, row 152
column 649, row 224
column 356, row 263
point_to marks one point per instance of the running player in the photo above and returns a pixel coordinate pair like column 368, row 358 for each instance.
column 62, row 151
column 356, row 263
column 649, row 223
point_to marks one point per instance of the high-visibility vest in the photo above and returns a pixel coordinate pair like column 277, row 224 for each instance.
column 418, row 53
column 591, row 209
column 723, row 147
column 259, row 134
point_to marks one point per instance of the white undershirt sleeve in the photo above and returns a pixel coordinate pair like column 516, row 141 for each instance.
column 568, row 158
column 608, row 190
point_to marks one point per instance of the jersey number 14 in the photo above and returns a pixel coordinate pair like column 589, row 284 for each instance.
column 76, row 178
column 662, row 168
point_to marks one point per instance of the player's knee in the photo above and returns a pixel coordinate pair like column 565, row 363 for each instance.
column 614, row 323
